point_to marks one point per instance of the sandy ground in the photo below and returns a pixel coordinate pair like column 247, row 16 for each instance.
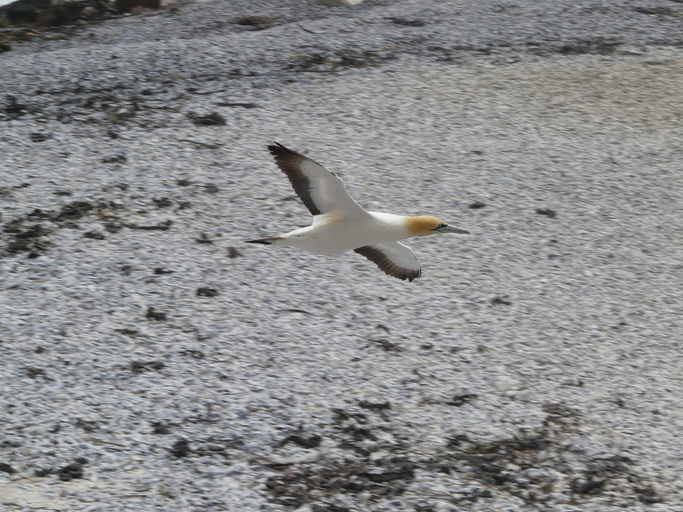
column 153, row 361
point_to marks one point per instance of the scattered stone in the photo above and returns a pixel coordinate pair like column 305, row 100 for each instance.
column 236, row 104
column 405, row 22
column 476, row 205
column 153, row 314
column 13, row 108
column 39, row 137
column 161, row 271
column 162, row 226
column 203, row 239
column 309, row 442
column 133, row 5
column 72, row 471
column 161, row 428
column 181, row 448
column 183, row 182
column 460, row 400
column 547, row 212
column 212, row 119
column 211, row 188
column 94, row 235
column 34, row 372
column 6, row 468
column 207, row 292
column 164, row 202
column 374, row 406
column 144, row 366
column 74, row 211
column 500, row 301
column 233, row 253
column 256, row 22
column 658, row 10
column 118, row 158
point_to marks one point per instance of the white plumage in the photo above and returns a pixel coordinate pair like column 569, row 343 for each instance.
column 340, row 224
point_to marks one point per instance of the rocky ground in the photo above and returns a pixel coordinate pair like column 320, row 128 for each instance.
column 153, row 361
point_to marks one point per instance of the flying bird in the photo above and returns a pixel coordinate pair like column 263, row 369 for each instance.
column 340, row 224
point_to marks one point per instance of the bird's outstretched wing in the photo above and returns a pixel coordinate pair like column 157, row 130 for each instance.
column 393, row 258
column 319, row 189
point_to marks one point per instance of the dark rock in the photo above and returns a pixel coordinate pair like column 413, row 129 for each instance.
column 233, row 253
column 311, row 441
column 163, row 202
column 74, row 211
column 115, row 159
column 131, row 5
column 94, row 235
column 161, row 271
column 212, row 119
column 144, row 366
column 547, row 212
column 207, row 292
column 6, row 468
column 459, row 400
column 659, row 10
column 160, row 428
column 476, row 205
column 374, row 406
column 181, row 448
column 71, row 471
column 500, row 301
column 153, row 314
column 405, row 22
column 203, row 239
column 39, row 137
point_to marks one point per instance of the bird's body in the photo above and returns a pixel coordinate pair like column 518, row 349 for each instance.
column 332, row 234
column 340, row 224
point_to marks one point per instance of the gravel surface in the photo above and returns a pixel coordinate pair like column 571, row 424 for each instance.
column 153, row 361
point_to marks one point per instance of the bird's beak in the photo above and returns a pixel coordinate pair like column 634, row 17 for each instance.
column 451, row 229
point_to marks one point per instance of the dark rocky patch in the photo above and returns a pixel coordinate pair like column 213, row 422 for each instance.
column 338, row 61
column 207, row 292
column 597, row 46
column 34, row 372
column 159, row 271
column 211, row 188
column 72, row 471
column 460, row 400
column 163, row 202
column 203, row 239
column 118, row 158
column 153, row 314
column 6, row 468
column 256, row 22
column 500, row 301
column 547, row 212
column 305, row 441
column 13, row 108
column 234, row 104
column 39, row 136
column 374, row 406
column 128, row 332
column 161, row 428
column 233, row 253
column 406, row 22
column 211, row 119
column 181, row 448
column 94, row 235
column 657, row 10
column 162, row 226
column 476, row 205
column 386, row 345
column 146, row 366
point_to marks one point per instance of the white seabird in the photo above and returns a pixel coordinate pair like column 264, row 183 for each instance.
column 340, row 224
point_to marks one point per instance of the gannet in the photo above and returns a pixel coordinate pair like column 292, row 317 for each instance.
column 340, row 224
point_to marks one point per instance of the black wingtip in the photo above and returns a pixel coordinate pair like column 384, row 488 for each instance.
column 264, row 241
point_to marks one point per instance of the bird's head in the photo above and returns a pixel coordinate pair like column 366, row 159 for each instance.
column 428, row 225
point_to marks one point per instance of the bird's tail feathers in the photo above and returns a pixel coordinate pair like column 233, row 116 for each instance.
column 266, row 241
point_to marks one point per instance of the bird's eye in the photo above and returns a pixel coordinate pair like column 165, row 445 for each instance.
column 441, row 226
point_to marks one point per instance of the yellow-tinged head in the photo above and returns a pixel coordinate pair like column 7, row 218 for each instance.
column 428, row 225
